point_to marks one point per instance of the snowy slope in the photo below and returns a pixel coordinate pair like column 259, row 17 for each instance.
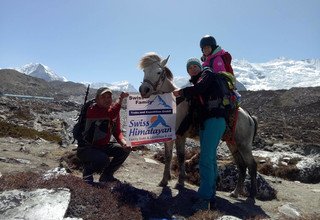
column 117, row 86
column 280, row 73
column 44, row 72
column 277, row 74
column 40, row 71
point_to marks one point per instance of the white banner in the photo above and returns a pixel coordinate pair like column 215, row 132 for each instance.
column 150, row 120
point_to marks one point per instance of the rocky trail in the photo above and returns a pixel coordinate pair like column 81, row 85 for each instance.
column 287, row 146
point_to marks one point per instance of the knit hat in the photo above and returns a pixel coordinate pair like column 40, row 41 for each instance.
column 194, row 61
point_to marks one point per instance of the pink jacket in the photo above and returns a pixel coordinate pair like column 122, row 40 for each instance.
column 218, row 64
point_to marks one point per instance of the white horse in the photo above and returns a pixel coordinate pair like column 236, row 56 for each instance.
column 158, row 79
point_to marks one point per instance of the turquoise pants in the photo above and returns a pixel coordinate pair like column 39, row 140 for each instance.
column 209, row 140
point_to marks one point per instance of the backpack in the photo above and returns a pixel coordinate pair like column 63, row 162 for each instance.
column 229, row 95
column 79, row 127
column 226, row 57
column 232, row 97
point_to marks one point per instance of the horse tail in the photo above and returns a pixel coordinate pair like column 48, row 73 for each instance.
column 255, row 120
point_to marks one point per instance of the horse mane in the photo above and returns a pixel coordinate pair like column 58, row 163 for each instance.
column 168, row 73
column 151, row 58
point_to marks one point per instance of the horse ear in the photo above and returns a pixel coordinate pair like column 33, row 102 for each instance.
column 164, row 62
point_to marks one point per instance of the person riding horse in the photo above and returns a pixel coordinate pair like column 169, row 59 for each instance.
column 159, row 79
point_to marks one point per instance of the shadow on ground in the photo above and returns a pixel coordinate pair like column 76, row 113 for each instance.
column 168, row 206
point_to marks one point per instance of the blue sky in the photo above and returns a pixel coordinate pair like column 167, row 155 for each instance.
column 103, row 41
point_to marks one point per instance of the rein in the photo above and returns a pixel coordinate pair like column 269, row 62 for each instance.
column 160, row 80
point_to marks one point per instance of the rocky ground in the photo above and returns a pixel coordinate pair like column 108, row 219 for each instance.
column 145, row 174
column 289, row 133
column 295, row 200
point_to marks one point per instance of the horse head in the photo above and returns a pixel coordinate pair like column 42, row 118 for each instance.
column 157, row 77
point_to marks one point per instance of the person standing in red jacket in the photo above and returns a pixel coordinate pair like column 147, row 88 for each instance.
column 103, row 121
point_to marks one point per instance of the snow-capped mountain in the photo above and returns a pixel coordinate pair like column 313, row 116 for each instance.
column 40, row 71
column 116, row 86
column 44, row 72
column 276, row 74
column 280, row 73
column 182, row 82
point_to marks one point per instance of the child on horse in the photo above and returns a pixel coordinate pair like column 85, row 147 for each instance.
column 214, row 56
column 219, row 60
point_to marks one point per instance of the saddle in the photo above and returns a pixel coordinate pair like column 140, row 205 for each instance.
column 229, row 134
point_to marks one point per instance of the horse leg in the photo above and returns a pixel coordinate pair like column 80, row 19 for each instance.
column 253, row 178
column 180, row 146
column 167, row 166
column 246, row 128
column 253, row 165
column 248, row 158
column 241, row 174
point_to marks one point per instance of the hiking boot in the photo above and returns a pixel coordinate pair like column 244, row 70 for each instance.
column 91, row 183
column 109, row 178
column 88, row 179
column 101, row 185
column 201, row 205
column 213, row 203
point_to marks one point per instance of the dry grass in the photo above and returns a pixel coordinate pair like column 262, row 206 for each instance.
column 206, row 215
column 70, row 161
column 21, row 113
column 86, row 202
column 17, row 131
column 288, row 172
column 115, row 201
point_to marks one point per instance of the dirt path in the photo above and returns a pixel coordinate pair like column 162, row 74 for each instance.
column 142, row 172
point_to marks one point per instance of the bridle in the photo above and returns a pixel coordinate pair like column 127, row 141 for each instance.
column 161, row 79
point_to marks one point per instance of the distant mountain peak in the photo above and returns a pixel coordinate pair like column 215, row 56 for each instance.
column 40, row 71
column 124, row 86
column 280, row 73
column 40, row 67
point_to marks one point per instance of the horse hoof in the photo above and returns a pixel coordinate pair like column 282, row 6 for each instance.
column 179, row 186
column 250, row 200
column 163, row 184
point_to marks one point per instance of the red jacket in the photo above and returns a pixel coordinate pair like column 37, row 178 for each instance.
column 101, row 123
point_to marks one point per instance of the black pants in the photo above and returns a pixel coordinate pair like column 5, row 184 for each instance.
column 97, row 159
